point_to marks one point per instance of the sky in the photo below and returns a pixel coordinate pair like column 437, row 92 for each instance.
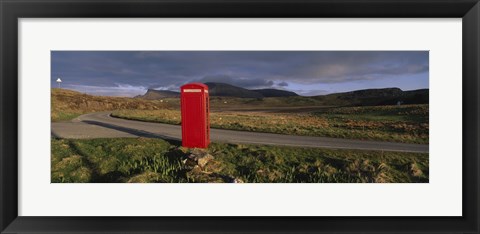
column 308, row 73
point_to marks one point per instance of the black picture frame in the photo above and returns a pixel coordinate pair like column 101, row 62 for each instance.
column 11, row 11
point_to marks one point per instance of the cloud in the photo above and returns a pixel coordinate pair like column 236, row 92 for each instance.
column 248, row 69
column 314, row 92
column 172, row 87
column 120, row 90
column 343, row 66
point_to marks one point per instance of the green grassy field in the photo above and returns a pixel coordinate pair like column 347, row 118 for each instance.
column 141, row 160
column 408, row 123
column 153, row 160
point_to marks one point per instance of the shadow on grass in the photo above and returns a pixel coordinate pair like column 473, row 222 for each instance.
column 139, row 133
column 174, row 156
column 85, row 159
column 111, row 177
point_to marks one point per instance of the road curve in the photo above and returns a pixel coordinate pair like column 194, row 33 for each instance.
column 102, row 125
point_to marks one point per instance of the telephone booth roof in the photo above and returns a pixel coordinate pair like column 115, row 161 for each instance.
column 199, row 85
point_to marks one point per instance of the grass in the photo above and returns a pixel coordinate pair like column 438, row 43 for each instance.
column 68, row 104
column 233, row 102
column 66, row 115
column 141, row 160
column 114, row 160
column 408, row 123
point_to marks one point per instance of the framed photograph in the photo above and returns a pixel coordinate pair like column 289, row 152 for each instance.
column 239, row 116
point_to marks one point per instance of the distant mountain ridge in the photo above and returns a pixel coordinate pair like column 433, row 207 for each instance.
column 227, row 90
column 377, row 97
column 365, row 97
column 153, row 94
column 221, row 90
column 275, row 93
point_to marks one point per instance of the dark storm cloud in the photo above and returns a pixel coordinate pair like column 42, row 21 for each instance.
column 249, row 69
column 338, row 67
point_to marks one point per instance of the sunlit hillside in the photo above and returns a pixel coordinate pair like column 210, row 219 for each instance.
column 68, row 104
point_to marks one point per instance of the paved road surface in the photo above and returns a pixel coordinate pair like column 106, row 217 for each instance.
column 102, row 125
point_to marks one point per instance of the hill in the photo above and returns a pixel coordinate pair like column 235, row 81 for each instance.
column 153, row 94
column 419, row 96
column 220, row 90
column 275, row 93
column 68, row 104
column 376, row 97
column 227, row 90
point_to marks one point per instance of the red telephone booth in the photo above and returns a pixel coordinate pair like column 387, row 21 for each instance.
column 195, row 115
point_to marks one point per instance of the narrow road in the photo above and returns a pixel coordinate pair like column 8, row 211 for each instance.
column 102, row 125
